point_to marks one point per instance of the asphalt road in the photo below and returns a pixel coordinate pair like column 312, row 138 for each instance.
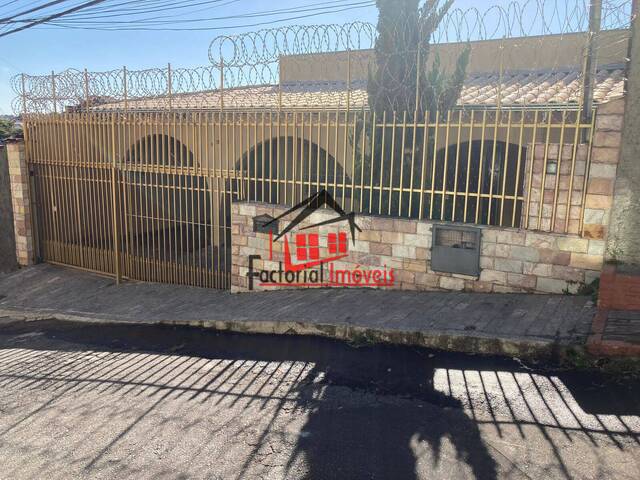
column 90, row 401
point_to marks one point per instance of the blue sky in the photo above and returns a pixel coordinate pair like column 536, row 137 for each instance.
column 42, row 49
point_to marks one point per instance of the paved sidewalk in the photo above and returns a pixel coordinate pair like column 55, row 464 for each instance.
column 508, row 324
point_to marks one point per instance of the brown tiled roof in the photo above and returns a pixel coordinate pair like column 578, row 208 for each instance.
column 533, row 88
column 540, row 87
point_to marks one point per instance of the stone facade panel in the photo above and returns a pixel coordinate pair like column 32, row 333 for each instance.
column 511, row 260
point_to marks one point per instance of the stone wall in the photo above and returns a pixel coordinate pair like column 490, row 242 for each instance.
column 605, row 153
column 512, row 260
column 19, row 175
column 592, row 221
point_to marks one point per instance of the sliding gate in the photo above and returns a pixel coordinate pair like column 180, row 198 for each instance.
column 144, row 196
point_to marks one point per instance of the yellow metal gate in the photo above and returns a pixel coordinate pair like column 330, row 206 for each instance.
column 141, row 196
column 147, row 196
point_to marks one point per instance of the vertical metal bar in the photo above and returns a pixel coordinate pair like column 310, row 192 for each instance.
column 318, row 152
column 221, row 84
column 137, row 194
column 518, row 167
column 544, row 169
column 208, row 210
column 53, row 92
column 534, row 137
column 418, row 107
column 498, row 119
column 348, row 82
column 114, row 201
column 558, row 168
column 393, row 155
column 225, row 194
column 371, row 159
column 433, row 164
column 264, row 155
column 382, row 155
column 446, row 165
column 309, row 156
column 423, row 173
column 469, row 150
column 353, row 163
column 24, row 98
column 505, row 169
column 271, row 148
column 126, row 197
column 481, row 165
column 455, row 174
column 402, row 152
column 124, row 88
column 362, row 147
column 326, row 154
column 574, row 151
column 169, row 87
column 335, row 156
column 413, row 157
column 78, row 204
column 155, row 190
column 294, row 157
column 192, row 193
column 86, row 90
column 590, row 63
column 587, row 169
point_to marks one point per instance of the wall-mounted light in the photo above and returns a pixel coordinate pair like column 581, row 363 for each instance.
column 552, row 167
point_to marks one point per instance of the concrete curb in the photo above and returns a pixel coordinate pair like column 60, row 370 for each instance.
column 448, row 341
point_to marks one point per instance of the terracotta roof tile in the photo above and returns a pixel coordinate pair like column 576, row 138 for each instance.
column 514, row 89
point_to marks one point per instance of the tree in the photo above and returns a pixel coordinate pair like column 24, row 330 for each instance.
column 7, row 128
column 401, row 87
column 399, row 80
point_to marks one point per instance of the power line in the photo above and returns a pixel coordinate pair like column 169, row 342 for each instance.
column 96, row 18
column 323, row 6
column 34, row 9
column 225, row 27
column 52, row 17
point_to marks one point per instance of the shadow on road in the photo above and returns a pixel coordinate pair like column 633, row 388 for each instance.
column 387, row 434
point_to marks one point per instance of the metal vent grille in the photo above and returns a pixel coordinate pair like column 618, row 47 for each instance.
column 456, row 239
column 456, row 249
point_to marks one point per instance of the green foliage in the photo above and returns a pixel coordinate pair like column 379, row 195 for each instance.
column 400, row 76
column 7, row 128
column 402, row 85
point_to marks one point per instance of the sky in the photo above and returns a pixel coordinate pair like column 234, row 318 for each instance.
column 41, row 49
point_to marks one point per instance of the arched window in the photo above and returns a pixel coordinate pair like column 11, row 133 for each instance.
column 477, row 181
column 286, row 170
column 170, row 209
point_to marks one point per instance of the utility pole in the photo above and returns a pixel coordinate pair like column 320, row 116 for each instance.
column 591, row 62
column 623, row 239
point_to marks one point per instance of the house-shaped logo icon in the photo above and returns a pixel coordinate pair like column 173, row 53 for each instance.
column 307, row 245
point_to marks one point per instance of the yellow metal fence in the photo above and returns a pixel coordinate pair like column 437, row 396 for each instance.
column 147, row 195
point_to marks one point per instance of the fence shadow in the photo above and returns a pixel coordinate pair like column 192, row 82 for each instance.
column 370, row 412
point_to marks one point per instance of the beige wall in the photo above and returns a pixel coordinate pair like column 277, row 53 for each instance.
column 551, row 52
